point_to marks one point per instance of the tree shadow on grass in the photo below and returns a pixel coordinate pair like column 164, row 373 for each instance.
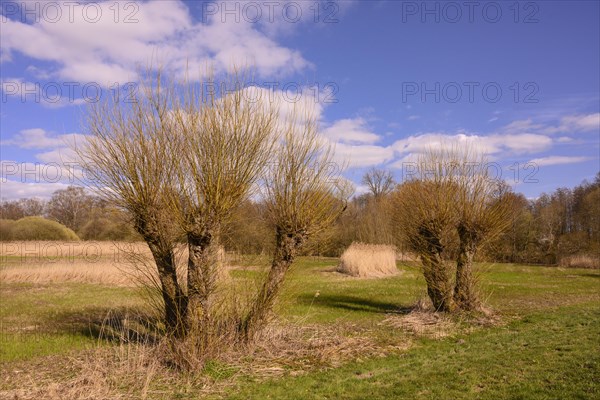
column 354, row 303
column 110, row 325
column 588, row 275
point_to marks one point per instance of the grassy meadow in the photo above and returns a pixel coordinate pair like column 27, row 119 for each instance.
column 69, row 313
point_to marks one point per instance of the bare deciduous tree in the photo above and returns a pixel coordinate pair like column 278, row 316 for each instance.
column 424, row 214
column 180, row 160
column 452, row 193
column 484, row 212
column 129, row 161
column 222, row 145
column 379, row 181
column 71, row 207
column 304, row 195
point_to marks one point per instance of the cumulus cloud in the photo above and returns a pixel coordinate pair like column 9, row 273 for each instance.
column 489, row 145
column 106, row 51
column 37, row 138
column 356, row 156
column 350, row 131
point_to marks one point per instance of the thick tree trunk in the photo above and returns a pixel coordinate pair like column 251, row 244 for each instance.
column 161, row 246
column 203, row 270
column 439, row 285
column 174, row 299
column 437, row 276
column 286, row 248
column 465, row 294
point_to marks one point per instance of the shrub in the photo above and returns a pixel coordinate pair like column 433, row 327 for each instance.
column 580, row 261
column 6, row 226
column 108, row 229
column 368, row 261
column 38, row 228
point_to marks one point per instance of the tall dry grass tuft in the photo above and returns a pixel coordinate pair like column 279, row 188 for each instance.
column 368, row 261
column 580, row 261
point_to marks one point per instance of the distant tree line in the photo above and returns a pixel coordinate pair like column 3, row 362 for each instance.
column 545, row 230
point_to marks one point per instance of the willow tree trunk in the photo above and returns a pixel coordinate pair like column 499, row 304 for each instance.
column 465, row 294
column 174, row 299
column 161, row 243
column 286, row 248
column 436, row 272
column 203, row 270
column 439, row 285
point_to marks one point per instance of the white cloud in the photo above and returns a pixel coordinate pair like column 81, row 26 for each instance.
column 165, row 32
column 14, row 190
column 37, row 138
column 350, row 131
column 579, row 123
column 567, row 124
column 362, row 155
column 522, row 143
column 521, row 126
column 564, row 139
column 491, row 145
column 558, row 160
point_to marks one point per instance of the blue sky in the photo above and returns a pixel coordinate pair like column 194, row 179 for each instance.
column 388, row 79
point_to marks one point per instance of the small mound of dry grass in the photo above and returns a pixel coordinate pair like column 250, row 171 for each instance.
column 423, row 320
column 368, row 261
column 580, row 261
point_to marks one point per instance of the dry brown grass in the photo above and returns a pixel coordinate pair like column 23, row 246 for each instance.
column 53, row 251
column 105, row 273
column 580, row 261
column 424, row 321
column 141, row 370
column 368, row 261
column 105, row 263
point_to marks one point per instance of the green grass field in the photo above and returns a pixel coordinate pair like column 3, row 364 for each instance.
column 545, row 344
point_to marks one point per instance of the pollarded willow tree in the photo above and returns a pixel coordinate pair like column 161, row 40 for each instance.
column 452, row 193
column 424, row 214
column 304, row 195
column 484, row 210
column 179, row 159
column 128, row 160
column 223, row 143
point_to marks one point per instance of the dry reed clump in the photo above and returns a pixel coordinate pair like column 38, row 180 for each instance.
column 580, row 261
column 368, row 261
